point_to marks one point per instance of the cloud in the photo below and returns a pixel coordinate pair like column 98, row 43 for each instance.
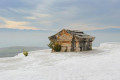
column 15, row 24
column 36, row 15
column 55, row 14
column 89, row 27
column 31, row 17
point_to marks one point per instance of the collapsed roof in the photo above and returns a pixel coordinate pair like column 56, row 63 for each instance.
column 76, row 33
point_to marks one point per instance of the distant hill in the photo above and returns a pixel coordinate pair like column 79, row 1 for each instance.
column 101, row 30
column 12, row 51
column 22, row 30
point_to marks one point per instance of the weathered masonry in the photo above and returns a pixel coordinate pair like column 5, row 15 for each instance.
column 72, row 40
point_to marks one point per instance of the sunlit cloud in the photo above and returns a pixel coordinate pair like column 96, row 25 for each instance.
column 85, row 27
column 30, row 17
column 15, row 24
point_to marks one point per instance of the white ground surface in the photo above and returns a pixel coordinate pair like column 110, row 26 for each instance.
column 103, row 63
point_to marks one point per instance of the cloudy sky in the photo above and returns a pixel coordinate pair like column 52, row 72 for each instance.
column 54, row 15
column 58, row 14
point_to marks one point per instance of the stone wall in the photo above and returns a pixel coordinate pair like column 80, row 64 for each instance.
column 70, row 43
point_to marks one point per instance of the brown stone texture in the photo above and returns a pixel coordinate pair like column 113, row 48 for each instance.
column 72, row 41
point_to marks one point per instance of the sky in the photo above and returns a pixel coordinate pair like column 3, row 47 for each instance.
column 46, row 17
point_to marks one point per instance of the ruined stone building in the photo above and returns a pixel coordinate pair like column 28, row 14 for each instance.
column 73, row 40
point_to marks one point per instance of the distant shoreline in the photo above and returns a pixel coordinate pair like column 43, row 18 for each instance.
column 15, row 50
